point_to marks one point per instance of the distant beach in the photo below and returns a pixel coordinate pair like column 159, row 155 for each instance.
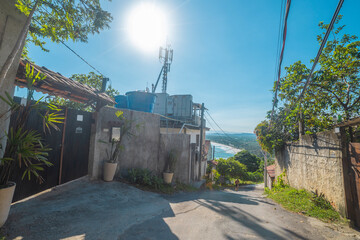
column 224, row 151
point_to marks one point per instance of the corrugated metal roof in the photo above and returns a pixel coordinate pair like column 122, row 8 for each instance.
column 58, row 85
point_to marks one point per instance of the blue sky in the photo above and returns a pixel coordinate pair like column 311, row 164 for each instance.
column 224, row 52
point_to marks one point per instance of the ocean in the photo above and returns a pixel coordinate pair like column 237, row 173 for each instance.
column 224, row 151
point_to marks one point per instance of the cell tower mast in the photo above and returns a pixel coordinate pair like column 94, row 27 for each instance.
column 166, row 57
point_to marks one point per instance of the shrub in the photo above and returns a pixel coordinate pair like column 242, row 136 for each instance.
column 144, row 177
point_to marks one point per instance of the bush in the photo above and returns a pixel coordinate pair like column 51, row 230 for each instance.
column 144, row 177
column 255, row 176
column 231, row 169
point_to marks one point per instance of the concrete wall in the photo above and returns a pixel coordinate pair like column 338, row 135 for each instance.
column 147, row 149
column 11, row 23
column 314, row 163
column 180, row 143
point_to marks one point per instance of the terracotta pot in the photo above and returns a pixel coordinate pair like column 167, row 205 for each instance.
column 168, row 177
column 6, row 196
column 109, row 171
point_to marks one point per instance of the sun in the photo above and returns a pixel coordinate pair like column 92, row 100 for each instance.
column 146, row 26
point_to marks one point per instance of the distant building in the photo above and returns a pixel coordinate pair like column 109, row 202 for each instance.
column 270, row 175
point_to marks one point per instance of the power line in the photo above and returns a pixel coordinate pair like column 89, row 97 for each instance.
column 288, row 4
column 330, row 27
column 73, row 51
column 207, row 120
column 231, row 138
column 281, row 17
column 81, row 58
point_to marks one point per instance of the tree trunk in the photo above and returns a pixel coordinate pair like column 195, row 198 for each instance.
column 22, row 36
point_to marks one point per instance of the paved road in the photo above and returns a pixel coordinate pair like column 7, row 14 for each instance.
column 243, row 214
column 98, row 210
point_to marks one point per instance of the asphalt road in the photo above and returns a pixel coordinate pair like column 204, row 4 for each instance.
column 228, row 214
column 99, row 210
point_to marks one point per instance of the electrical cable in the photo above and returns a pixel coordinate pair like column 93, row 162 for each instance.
column 279, row 38
column 73, row 51
column 227, row 135
column 288, row 4
column 330, row 27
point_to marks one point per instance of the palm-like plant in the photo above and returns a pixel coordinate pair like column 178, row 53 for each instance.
column 125, row 130
column 24, row 150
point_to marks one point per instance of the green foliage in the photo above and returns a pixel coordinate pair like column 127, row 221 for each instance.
column 280, row 182
column 231, row 168
column 144, row 177
column 251, row 161
column 93, row 80
column 24, row 150
column 255, row 177
column 171, row 161
column 125, row 131
column 149, row 181
column 64, row 20
column 334, row 91
column 304, row 202
column 320, row 201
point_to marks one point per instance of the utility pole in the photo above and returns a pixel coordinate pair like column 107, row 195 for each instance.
column 213, row 152
column 265, row 168
column 201, row 137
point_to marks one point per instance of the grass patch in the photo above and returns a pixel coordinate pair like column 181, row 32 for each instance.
column 307, row 203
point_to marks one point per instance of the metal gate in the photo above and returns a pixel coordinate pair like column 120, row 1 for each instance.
column 354, row 174
column 69, row 154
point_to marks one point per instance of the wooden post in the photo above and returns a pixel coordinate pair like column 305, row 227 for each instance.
column 346, row 164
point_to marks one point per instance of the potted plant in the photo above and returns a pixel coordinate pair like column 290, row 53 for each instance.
column 170, row 167
column 24, row 151
column 111, row 162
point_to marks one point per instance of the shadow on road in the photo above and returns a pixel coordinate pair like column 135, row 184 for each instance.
column 221, row 202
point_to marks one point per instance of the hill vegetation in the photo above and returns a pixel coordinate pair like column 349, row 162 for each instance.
column 246, row 141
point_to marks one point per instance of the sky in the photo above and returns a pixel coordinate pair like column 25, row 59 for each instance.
column 224, row 52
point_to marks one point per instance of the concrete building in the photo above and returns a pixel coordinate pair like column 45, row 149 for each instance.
column 180, row 115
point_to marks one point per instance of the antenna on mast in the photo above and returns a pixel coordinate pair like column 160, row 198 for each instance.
column 166, row 57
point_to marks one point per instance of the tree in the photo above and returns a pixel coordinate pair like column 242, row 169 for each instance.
column 251, row 161
column 231, row 169
column 334, row 90
column 335, row 87
column 92, row 79
column 57, row 20
column 64, row 20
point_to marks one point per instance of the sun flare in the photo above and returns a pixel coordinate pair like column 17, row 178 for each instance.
column 146, row 26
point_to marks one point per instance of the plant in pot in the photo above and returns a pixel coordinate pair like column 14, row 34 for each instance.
column 24, row 153
column 118, row 135
column 170, row 167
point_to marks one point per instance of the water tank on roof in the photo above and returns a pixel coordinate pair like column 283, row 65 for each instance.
column 121, row 101
column 141, row 101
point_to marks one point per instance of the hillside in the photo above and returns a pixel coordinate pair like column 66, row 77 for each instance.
column 245, row 141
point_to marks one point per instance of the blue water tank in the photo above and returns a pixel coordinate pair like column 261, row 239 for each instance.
column 121, row 101
column 141, row 101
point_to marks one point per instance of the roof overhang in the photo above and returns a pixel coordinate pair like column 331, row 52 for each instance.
column 57, row 85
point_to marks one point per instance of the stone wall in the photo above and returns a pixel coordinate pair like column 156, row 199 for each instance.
column 11, row 23
column 147, row 149
column 314, row 163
